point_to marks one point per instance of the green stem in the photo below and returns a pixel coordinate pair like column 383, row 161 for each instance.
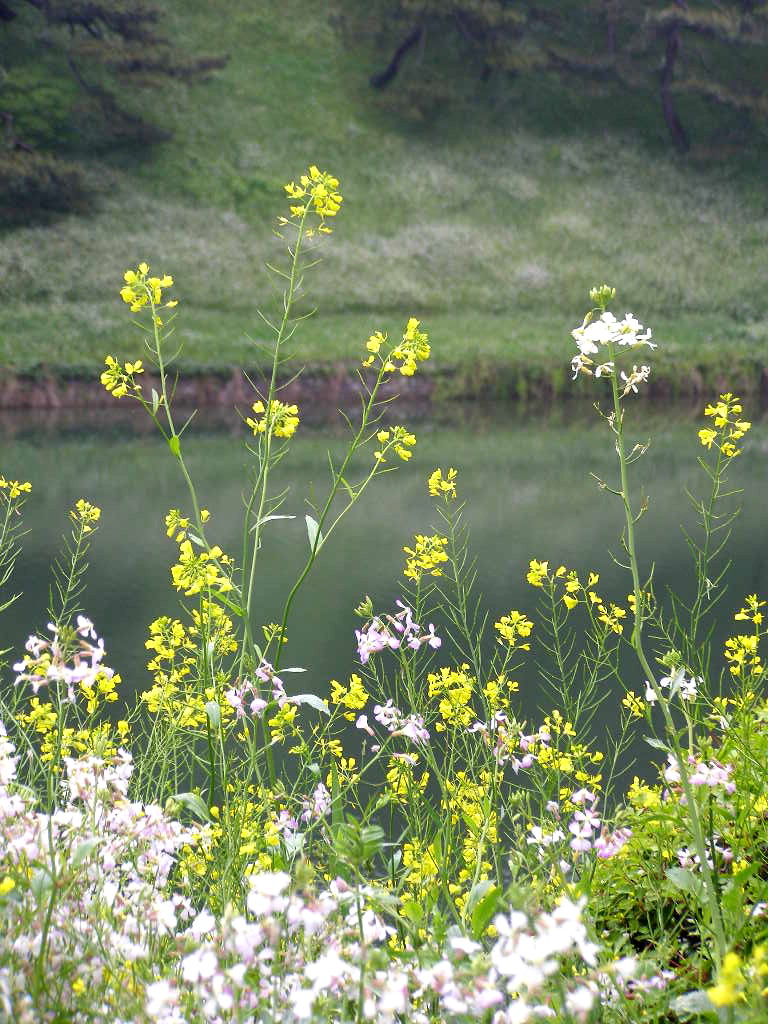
column 710, row 883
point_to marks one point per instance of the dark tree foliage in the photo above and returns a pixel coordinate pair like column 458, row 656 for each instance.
column 716, row 52
column 76, row 74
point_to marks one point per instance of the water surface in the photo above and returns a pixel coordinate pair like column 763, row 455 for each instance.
column 525, row 477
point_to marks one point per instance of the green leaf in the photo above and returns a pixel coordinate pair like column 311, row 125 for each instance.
column 268, row 519
column 213, row 711
column 412, row 910
column 685, row 880
column 483, row 902
column 314, row 534
column 656, row 744
column 84, row 850
column 313, row 700
column 194, row 803
column 175, row 445
column 694, row 1003
column 40, row 883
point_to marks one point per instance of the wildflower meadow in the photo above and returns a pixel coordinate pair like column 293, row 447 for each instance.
column 415, row 844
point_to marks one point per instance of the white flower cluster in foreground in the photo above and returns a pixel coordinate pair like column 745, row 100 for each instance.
column 91, row 894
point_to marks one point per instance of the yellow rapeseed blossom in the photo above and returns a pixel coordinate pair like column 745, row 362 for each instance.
column 427, row 556
column 511, row 628
column 440, row 485
column 85, row 515
column 317, row 192
column 453, row 689
column 728, row 427
column 281, row 420
column 198, row 569
column 634, row 704
column 353, row 696
column 742, row 653
column 120, row 380
column 612, row 616
column 730, row 982
column 397, row 439
column 412, row 349
column 14, row 488
column 420, row 862
column 751, row 610
column 282, row 724
column 402, row 783
column 140, row 289
column 643, row 796
column 537, row 573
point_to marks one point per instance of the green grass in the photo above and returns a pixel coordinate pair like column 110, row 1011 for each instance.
column 489, row 229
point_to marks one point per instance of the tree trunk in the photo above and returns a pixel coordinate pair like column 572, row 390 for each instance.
column 382, row 78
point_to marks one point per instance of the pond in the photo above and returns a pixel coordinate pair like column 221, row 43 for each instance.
column 525, row 477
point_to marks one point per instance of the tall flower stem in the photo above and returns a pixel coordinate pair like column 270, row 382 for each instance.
column 710, row 883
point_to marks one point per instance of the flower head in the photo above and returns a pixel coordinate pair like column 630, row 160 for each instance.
column 317, row 192
column 607, row 333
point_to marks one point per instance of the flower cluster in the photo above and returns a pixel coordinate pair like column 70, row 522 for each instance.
column 396, row 722
column 426, row 556
column 397, row 439
column 611, row 334
column 728, row 427
column 412, row 349
column 453, row 689
column 200, row 570
column 249, row 692
column 677, row 683
column 353, row 696
column 742, row 982
column 77, row 663
column 512, row 628
column 442, row 486
column 11, row 490
column 317, row 192
column 120, row 380
column 141, row 290
column 701, row 773
column 393, row 632
column 281, row 419
column 84, row 515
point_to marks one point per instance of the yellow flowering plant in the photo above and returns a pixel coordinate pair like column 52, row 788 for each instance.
column 209, row 700
column 441, row 808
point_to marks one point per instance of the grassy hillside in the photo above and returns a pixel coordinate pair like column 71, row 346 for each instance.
column 484, row 221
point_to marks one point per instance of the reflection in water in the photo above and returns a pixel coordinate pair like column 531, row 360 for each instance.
column 526, row 481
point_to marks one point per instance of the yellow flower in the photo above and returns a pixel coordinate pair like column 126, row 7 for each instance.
column 634, row 704
column 282, row 420
column 426, row 557
column 612, row 616
column 398, row 439
column 85, row 515
column 442, row 485
column 320, row 190
column 140, row 289
column 707, row 436
column 537, row 573
column 730, row 982
column 15, row 488
column 353, row 696
column 511, row 627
